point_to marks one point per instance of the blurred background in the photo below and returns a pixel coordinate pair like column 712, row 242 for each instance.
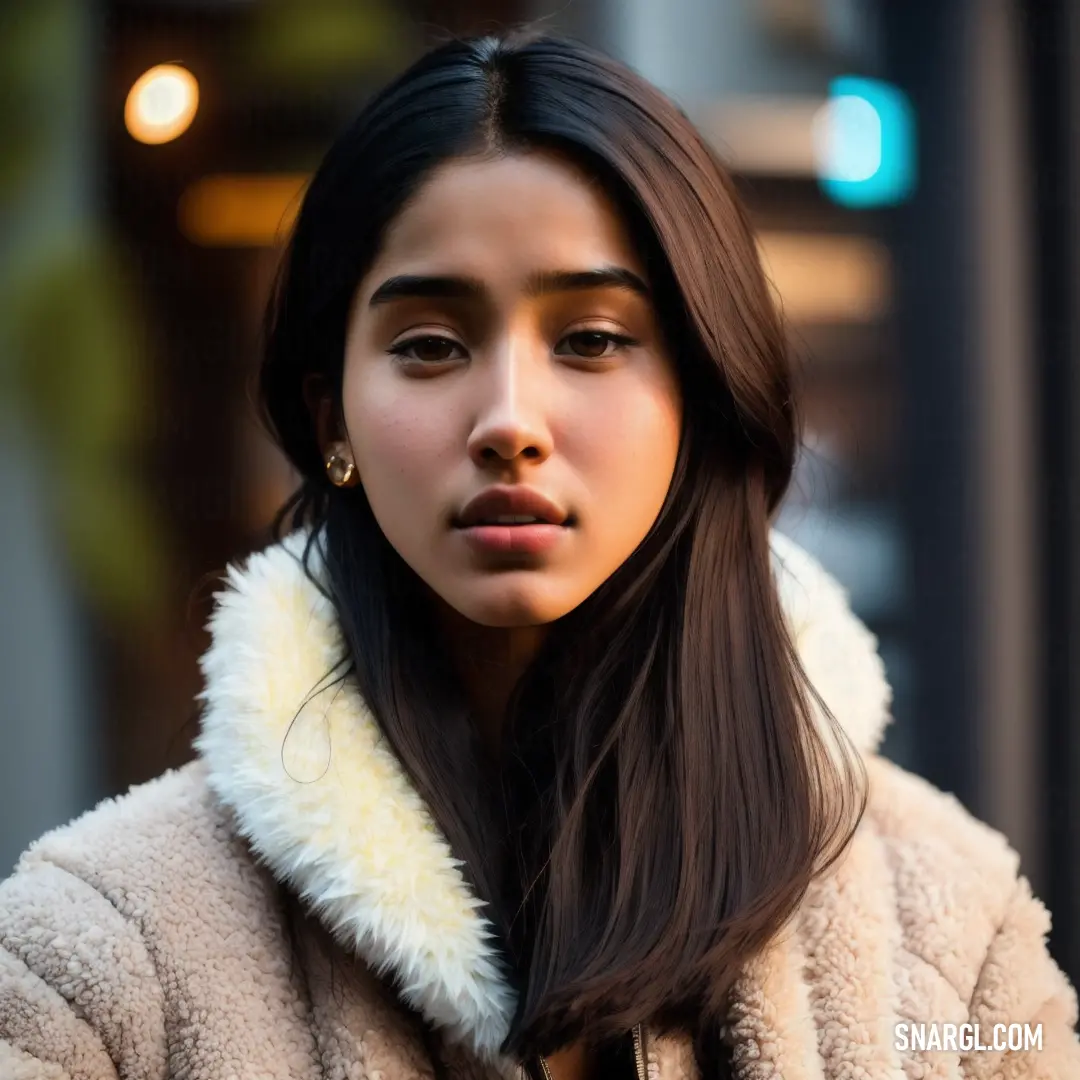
column 912, row 170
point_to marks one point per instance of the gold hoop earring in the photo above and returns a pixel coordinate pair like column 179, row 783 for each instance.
column 341, row 471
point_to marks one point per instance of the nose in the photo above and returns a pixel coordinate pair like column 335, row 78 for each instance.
column 514, row 394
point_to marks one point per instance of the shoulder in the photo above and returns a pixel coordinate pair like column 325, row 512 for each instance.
column 149, row 839
column 164, row 860
column 148, row 912
column 946, row 880
column 99, row 910
column 923, row 825
column 966, row 921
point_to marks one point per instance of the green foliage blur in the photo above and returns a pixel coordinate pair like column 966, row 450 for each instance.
column 317, row 46
column 73, row 381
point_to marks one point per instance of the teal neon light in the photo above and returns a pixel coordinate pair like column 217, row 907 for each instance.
column 864, row 141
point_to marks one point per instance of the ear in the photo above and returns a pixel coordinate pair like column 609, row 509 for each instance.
column 320, row 406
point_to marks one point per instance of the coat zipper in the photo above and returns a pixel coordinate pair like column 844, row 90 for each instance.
column 639, row 1057
column 639, row 1053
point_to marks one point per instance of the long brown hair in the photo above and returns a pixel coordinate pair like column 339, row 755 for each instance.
column 666, row 795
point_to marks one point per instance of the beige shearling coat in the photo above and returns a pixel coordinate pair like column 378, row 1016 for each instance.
column 284, row 908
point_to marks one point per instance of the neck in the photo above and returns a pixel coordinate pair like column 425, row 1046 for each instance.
column 489, row 661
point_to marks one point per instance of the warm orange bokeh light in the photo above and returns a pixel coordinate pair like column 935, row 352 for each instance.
column 161, row 104
column 241, row 211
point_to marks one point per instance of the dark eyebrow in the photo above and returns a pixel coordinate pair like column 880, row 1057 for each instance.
column 441, row 287
column 409, row 286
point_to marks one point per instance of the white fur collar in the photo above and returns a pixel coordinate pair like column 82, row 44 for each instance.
column 324, row 801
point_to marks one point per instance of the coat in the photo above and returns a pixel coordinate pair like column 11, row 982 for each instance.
column 284, row 907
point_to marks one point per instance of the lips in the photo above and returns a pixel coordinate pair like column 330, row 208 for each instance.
column 507, row 505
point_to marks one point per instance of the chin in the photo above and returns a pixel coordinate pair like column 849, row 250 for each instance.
column 502, row 602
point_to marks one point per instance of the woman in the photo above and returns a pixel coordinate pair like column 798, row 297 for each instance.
column 528, row 749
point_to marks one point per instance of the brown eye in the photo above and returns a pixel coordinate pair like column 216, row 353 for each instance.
column 589, row 344
column 428, row 350
column 592, row 344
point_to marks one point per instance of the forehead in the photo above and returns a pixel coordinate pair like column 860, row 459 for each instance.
column 508, row 215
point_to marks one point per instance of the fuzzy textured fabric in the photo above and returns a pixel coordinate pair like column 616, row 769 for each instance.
column 285, row 908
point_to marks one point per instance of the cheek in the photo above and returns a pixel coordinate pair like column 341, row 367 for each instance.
column 396, row 435
column 627, row 450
